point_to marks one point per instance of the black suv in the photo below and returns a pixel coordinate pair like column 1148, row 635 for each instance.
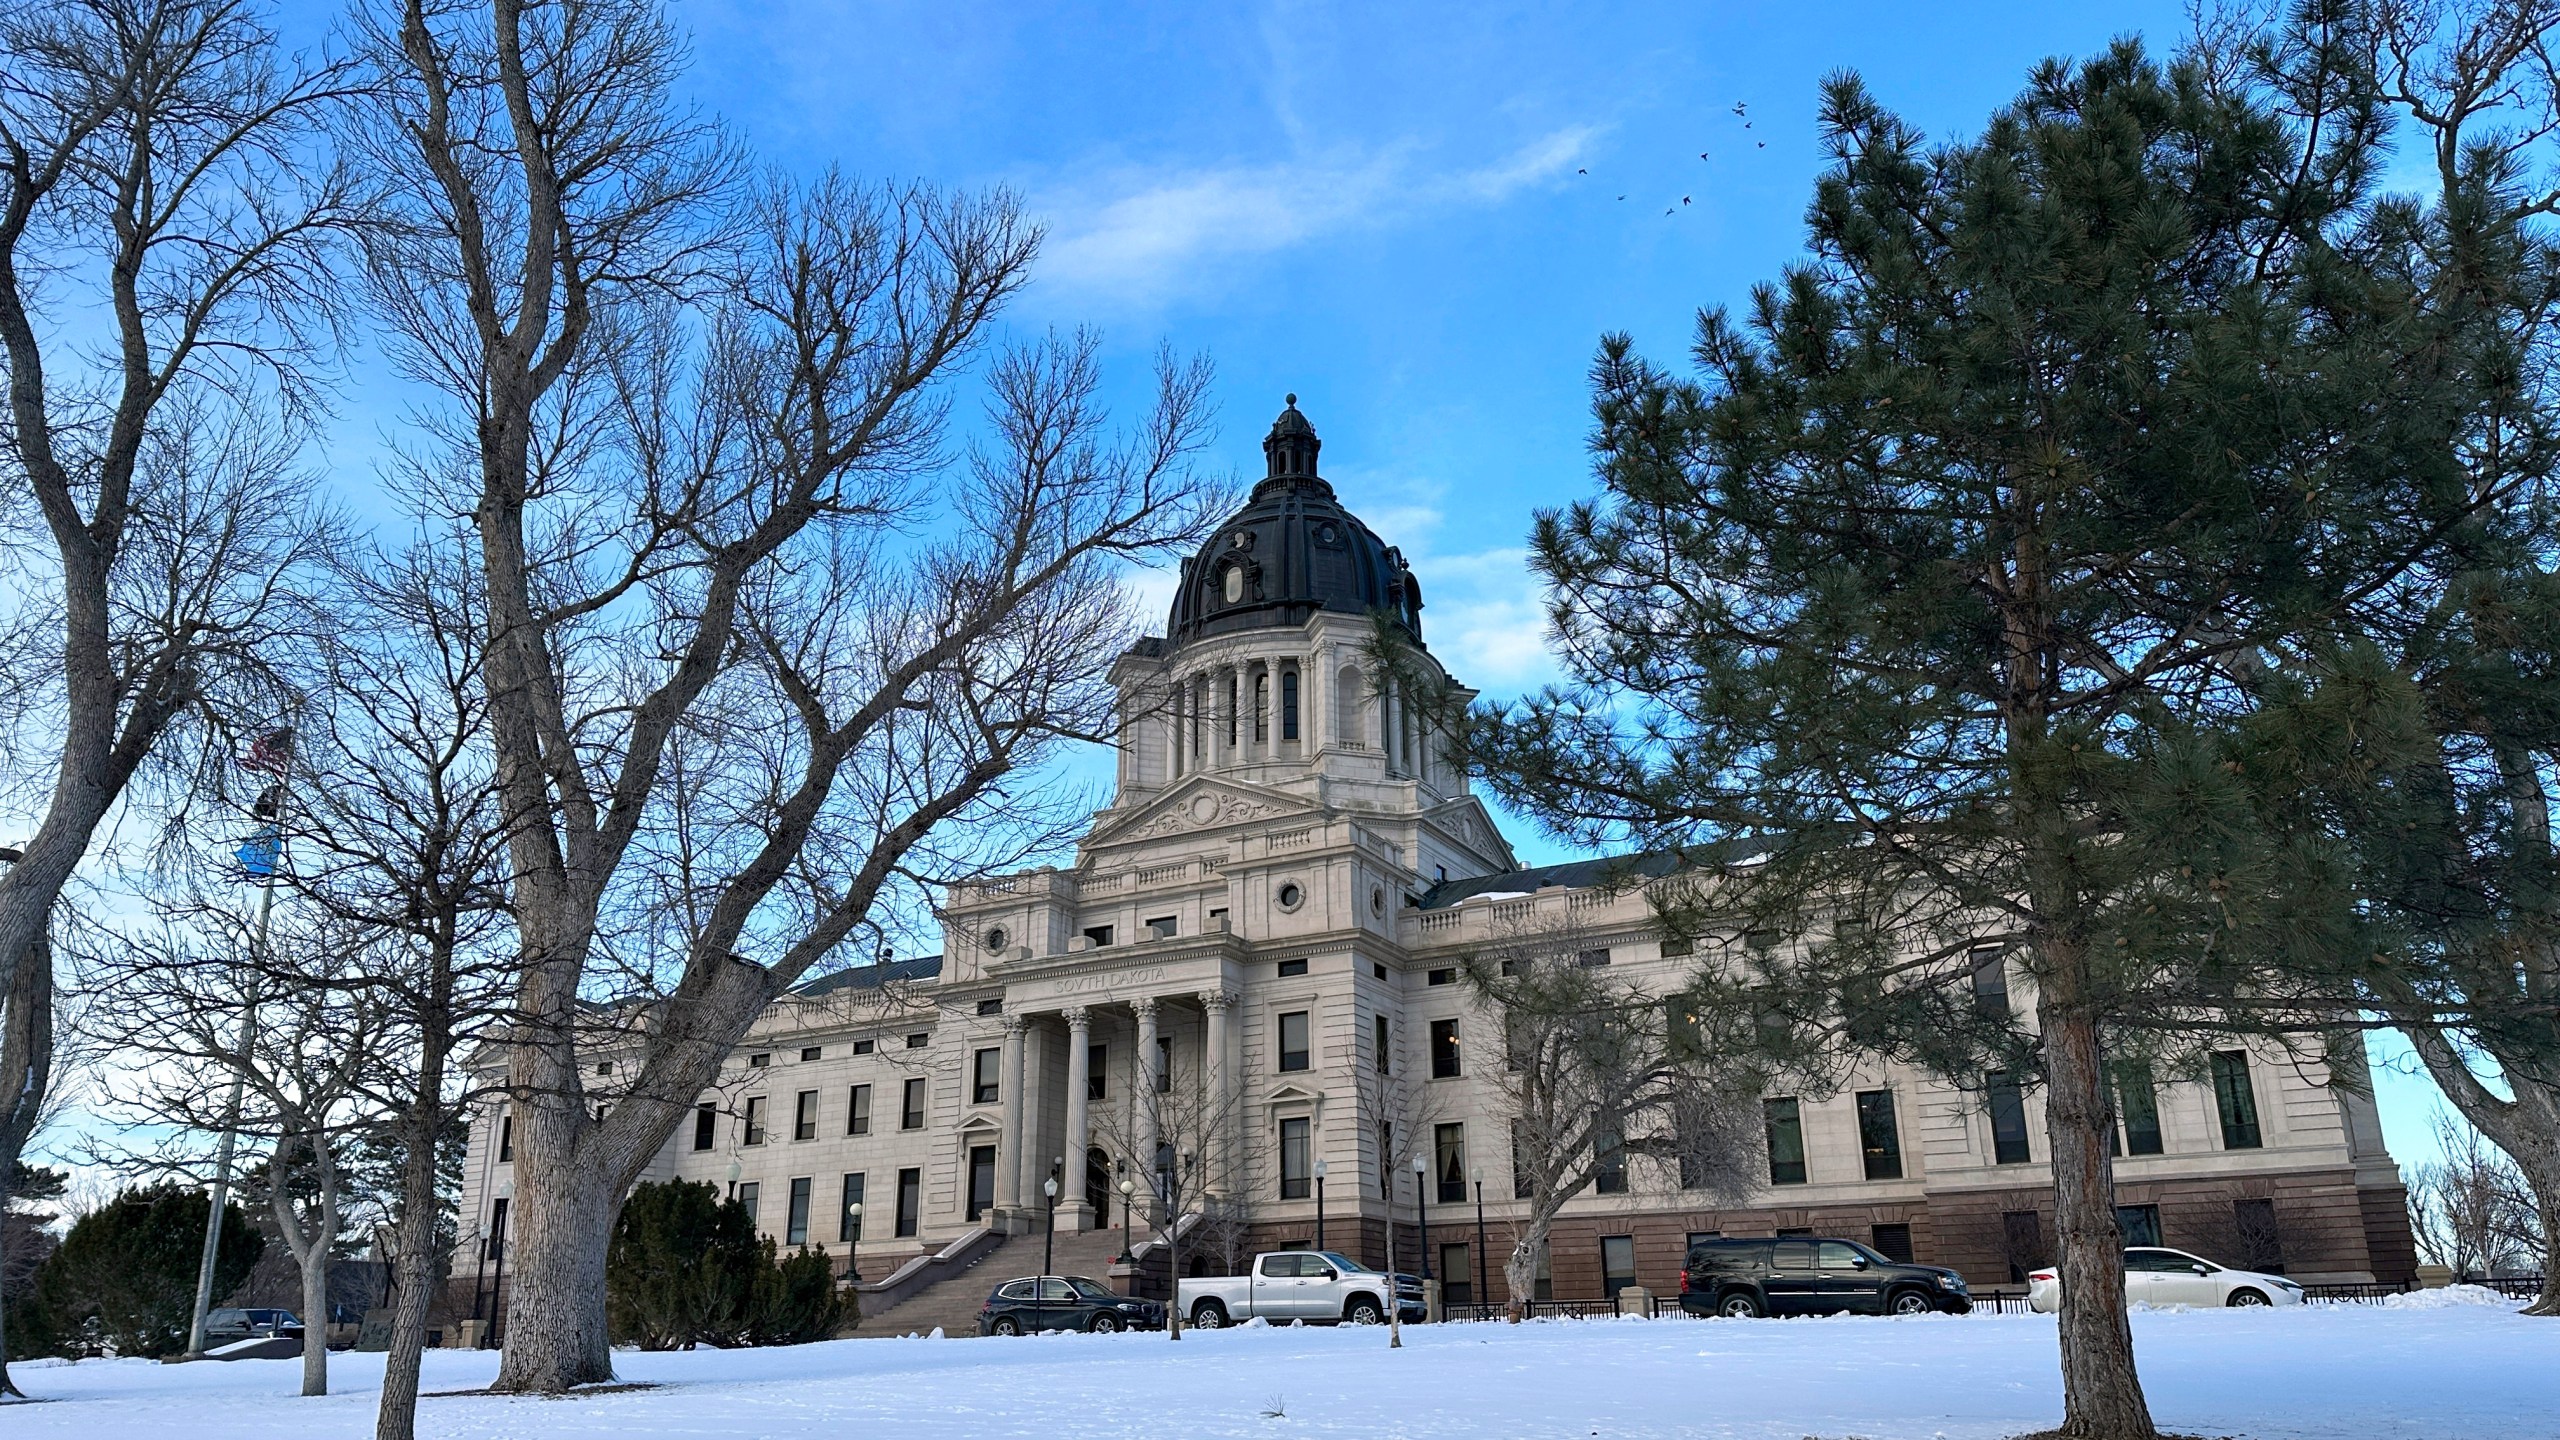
column 1743, row 1278
column 1064, row 1302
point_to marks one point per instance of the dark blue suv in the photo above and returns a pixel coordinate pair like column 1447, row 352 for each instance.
column 1745, row 1278
column 1064, row 1302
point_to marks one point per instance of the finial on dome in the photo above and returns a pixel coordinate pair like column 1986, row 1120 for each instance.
column 1290, row 449
column 1291, row 397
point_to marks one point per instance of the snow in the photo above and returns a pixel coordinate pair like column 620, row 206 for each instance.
column 2449, row 1295
column 2477, row 1371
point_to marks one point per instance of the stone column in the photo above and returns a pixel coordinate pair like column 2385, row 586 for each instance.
column 1011, row 1146
column 1145, row 1105
column 1073, row 1211
column 1217, row 1098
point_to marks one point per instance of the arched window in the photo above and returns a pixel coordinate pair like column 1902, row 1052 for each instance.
column 1350, row 691
column 1289, row 704
column 1262, row 707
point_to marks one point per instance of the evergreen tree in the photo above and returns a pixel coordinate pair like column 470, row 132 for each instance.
column 126, row 1273
column 1951, row 594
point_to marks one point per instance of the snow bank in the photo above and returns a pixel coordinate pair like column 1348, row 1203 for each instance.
column 2461, row 1371
column 2451, row 1296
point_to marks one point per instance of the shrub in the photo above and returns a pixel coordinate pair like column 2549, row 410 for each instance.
column 125, row 1276
column 796, row 1299
column 687, row 1268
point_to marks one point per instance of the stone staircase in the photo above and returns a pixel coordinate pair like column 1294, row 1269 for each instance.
column 951, row 1303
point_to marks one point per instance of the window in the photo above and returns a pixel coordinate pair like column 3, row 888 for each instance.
column 706, row 1125
column 1293, row 1040
column 1675, row 946
column 1617, row 1263
column 1791, row 1254
column 2237, row 1103
column 1457, row 1275
column 982, row 1084
column 1386, row 1048
column 1783, row 1118
column 919, row 1040
column 1684, row 1030
column 1290, row 896
column 605, row 1067
column 1592, row 959
column 759, row 1060
column 1288, row 704
column 1296, row 1167
column 1445, row 975
column 1097, row 1072
column 1449, row 1159
column 1292, row 967
column 1444, row 1049
column 748, row 1195
column 2022, row 1241
column 1164, row 1064
column 911, row 1109
column 1520, row 1163
column 910, row 1202
column 795, row 1230
column 1878, row 1138
column 1542, row 1284
column 864, row 1047
column 1387, row 1158
column 1893, row 1242
column 1163, row 927
column 1836, row 1256
column 991, row 1006
column 804, row 1115
column 2140, row 1224
column 1609, row 1160
column 1377, row 971
column 2138, row 1108
column 1218, row 918
column 858, row 1114
column 848, row 1222
column 754, row 1126
column 2008, row 1120
column 1100, row 935
column 1990, row 981
column 813, row 1052
column 506, row 1143
column 2261, row 1248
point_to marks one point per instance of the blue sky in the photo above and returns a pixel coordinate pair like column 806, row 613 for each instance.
column 1410, row 215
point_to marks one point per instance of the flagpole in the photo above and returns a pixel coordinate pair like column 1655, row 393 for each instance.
column 269, row 753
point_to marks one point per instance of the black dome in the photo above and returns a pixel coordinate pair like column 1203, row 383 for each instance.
column 1290, row 552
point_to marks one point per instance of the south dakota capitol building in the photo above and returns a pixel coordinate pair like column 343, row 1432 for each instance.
column 1270, row 914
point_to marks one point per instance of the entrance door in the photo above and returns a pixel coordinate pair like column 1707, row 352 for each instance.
column 1097, row 1186
column 982, row 1179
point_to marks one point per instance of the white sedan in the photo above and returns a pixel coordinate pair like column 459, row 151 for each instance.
column 2156, row 1276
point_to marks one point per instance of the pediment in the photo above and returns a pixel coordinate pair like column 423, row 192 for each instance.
column 979, row 1122
column 1200, row 803
column 1291, row 1093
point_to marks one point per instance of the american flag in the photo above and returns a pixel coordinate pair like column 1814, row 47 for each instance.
column 269, row 752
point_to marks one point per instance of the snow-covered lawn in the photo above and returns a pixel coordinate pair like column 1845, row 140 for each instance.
column 2477, row 1372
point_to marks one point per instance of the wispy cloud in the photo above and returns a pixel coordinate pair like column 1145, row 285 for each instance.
column 1144, row 235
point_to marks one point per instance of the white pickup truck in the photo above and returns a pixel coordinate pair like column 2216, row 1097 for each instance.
column 1316, row 1286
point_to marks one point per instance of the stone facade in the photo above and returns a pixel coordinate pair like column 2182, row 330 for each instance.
column 1285, row 878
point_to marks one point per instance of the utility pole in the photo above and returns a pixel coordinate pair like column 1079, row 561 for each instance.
column 262, row 856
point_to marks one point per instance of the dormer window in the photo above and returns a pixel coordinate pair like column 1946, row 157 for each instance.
column 1233, row 584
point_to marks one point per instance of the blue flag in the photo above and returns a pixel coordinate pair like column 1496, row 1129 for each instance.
column 259, row 853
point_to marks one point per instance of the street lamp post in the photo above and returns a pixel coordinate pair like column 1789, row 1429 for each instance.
column 1484, row 1271
column 1319, row 1204
column 853, row 1255
column 1049, row 1232
column 1128, row 1192
column 1421, row 1215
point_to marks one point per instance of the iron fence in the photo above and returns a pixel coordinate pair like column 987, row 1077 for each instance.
column 1985, row 1302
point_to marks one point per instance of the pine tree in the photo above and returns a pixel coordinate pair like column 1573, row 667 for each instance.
column 1946, row 602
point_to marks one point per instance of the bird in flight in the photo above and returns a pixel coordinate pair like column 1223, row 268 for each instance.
column 1684, row 199
column 1581, row 172
column 1738, row 107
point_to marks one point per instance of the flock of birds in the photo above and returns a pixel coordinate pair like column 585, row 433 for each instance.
column 1741, row 112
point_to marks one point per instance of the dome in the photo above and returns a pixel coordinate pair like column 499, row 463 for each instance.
column 1290, row 552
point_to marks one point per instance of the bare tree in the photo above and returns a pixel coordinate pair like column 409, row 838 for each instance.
column 1395, row 1115
column 1179, row 1133
column 762, row 655
column 2472, row 1211
column 1595, row 1069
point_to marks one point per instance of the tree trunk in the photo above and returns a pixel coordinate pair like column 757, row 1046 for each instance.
column 2101, row 1395
column 556, row 1335
column 315, row 1306
column 1520, row 1272
column 412, row 1269
column 26, row 1072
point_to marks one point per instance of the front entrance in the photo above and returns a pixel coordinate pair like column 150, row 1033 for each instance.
column 1097, row 1186
column 982, row 1179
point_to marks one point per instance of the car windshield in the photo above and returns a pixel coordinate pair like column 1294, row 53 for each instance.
column 1084, row 1287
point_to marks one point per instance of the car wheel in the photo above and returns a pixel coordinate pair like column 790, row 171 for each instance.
column 2244, row 1297
column 1105, row 1324
column 1004, row 1325
column 1740, row 1305
column 1364, row 1311
column 1908, row 1302
column 1209, row 1315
